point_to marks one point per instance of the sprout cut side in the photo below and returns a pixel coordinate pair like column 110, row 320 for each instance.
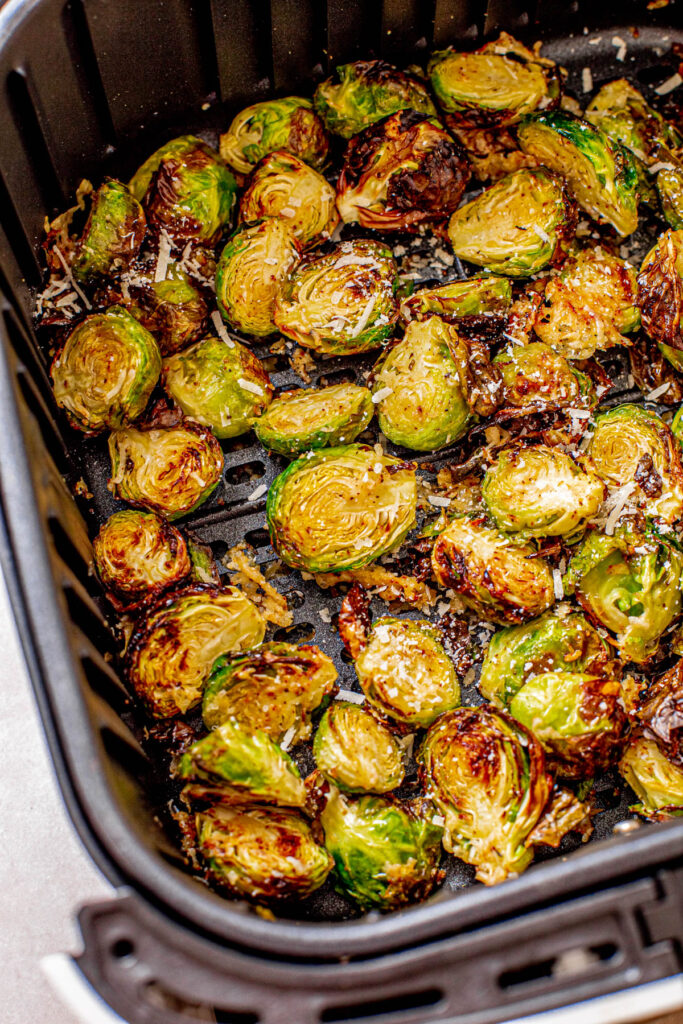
column 355, row 752
column 288, row 124
column 301, row 421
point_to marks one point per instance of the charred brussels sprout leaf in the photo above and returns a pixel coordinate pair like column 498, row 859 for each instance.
column 622, row 113
column 501, row 578
column 657, row 782
column 175, row 149
column 633, row 446
column 245, row 765
column 340, row 508
column 284, row 186
column 300, row 421
column 537, row 378
column 477, row 296
column 172, row 649
column 173, row 310
column 405, row 672
column 105, row 373
column 417, row 388
column 261, row 853
column 113, row 233
column 669, row 183
column 288, row 124
column 660, row 295
column 225, row 387
column 541, row 492
column 250, row 271
column 169, row 470
column 517, row 226
column 362, row 93
column 589, row 306
column 629, row 582
column 274, row 688
column 356, row 752
column 342, row 302
column 601, row 173
column 400, row 173
column 386, row 854
column 138, row 555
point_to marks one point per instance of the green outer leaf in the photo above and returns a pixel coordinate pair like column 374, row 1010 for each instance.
column 354, row 100
column 113, row 233
column 291, row 426
column 181, row 146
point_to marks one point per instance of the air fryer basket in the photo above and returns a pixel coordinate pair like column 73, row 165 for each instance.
column 89, row 87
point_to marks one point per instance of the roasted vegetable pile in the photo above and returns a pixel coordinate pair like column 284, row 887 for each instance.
column 456, row 262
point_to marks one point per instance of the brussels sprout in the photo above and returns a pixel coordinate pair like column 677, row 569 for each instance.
column 386, row 854
column 138, row 555
column 659, row 709
column 173, row 310
column 601, row 173
column 486, row 774
column 669, row 184
column 107, row 370
column 558, row 643
column 541, row 492
column 362, row 93
column 632, row 445
column 357, row 753
column 340, row 508
column 537, row 378
column 172, row 649
column 169, row 470
column 589, row 306
column 405, row 672
column 342, row 302
column 629, row 582
column 284, row 186
column 420, row 402
column 225, row 387
column 299, row 421
column 249, row 274
column 660, row 295
column 657, row 782
column 261, row 853
column 400, row 173
column 186, row 191
column 113, row 233
column 477, row 296
column 247, row 766
column 274, row 689
column 495, row 85
column 517, row 226
column 288, row 124
column 502, row 579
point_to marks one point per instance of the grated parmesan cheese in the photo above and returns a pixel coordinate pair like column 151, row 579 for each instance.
column 587, row 80
column 248, row 385
column 325, row 614
column 163, row 258
column 380, row 395
column 364, row 318
column 621, row 47
column 543, row 235
column 620, row 499
column 439, row 820
column 287, row 738
column 351, row 695
column 438, row 500
column 652, row 396
column 557, row 584
column 260, row 490
column 70, row 278
column 669, row 85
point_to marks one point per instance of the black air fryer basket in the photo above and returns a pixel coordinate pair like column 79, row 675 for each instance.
column 90, row 86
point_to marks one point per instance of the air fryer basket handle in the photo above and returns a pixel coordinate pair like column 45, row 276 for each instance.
column 151, row 970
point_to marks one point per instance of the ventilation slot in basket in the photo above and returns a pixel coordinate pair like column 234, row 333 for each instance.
column 408, row 1003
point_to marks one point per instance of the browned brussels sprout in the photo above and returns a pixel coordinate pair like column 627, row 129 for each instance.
column 355, row 752
column 477, row 297
column 400, row 173
column 300, row 421
column 289, row 123
column 660, row 295
column 113, row 233
column 656, row 781
column 660, row 712
column 173, row 310
column 537, row 378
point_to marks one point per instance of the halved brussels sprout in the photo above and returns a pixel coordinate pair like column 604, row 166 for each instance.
column 659, row 707
column 632, row 445
column 660, row 295
column 261, row 853
column 355, row 752
column 274, row 689
column 486, row 774
column 405, row 672
column 400, row 173
column 173, row 310
column 495, row 85
column 589, row 306
column 107, row 370
column 601, row 173
column 555, row 642
column 282, row 185
column 629, row 582
column 366, row 91
column 340, row 508
column 250, row 272
column 299, row 421
column 539, row 491
column 113, row 233
column 537, row 378
column 669, row 184
column 386, row 854
column 172, row 649
column 477, row 296
column 245, row 765
column 138, row 555
column 342, row 302
column 225, row 387
column 501, row 578
column 622, row 113
column 420, row 401
column 288, row 124
column 517, row 226
column 657, row 782
column 186, row 190
column 169, row 470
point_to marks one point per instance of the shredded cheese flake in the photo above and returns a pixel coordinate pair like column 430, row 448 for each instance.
column 350, row 695
column 248, row 385
column 287, row 738
column 163, row 258
column 587, row 80
column 380, row 395
column 652, row 396
column 220, row 329
column 557, row 584
column 260, row 490
column 70, row 278
column 669, row 85
column 438, row 500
